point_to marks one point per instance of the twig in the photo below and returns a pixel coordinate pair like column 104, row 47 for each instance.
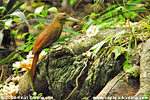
column 77, row 79
column 75, row 8
column 117, row 81
column 2, row 73
column 7, row 59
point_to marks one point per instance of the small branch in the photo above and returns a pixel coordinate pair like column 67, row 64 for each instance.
column 7, row 59
column 117, row 81
column 77, row 79
column 2, row 73
column 75, row 8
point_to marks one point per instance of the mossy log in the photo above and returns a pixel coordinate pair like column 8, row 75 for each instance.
column 56, row 73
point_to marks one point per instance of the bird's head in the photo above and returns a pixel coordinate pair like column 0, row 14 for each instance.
column 62, row 18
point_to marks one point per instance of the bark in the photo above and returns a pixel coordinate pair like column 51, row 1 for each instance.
column 124, row 85
column 120, row 87
column 144, row 70
column 129, row 87
column 56, row 73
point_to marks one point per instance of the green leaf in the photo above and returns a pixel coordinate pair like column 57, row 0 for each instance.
column 8, row 59
column 1, row 85
column 133, row 15
column 29, row 48
column 15, row 69
column 24, row 34
column 103, row 26
column 129, row 48
column 70, row 31
column 63, row 39
column 14, row 32
column 19, row 57
column 88, row 23
column 133, row 72
column 21, row 47
column 3, row 9
column 8, row 22
column 22, row 16
column 53, row 9
column 146, row 96
column 129, row 69
column 38, row 26
column 38, row 9
column 121, row 8
column 72, row 2
column 31, row 37
column 98, row 46
column 28, row 45
column 40, row 94
column 46, row 49
column 127, row 66
column 32, row 14
column 118, row 50
column 147, row 26
column 44, row 13
column 16, row 20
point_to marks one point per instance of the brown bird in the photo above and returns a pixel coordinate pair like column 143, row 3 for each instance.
column 50, row 35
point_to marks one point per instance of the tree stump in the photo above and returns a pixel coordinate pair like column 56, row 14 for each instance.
column 57, row 72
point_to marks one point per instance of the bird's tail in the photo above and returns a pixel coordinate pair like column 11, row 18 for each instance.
column 34, row 62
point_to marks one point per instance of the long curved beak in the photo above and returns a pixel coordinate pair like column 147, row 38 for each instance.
column 72, row 19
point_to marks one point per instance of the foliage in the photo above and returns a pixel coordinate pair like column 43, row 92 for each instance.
column 146, row 96
column 117, row 14
column 119, row 44
column 72, row 2
column 98, row 46
column 39, row 13
column 9, row 58
column 20, row 15
column 26, row 47
column 8, row 12
column 53, row 9
column 35, row 96
column 113, row 14
column 7, row 15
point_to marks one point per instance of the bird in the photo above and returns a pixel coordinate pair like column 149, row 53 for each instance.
column 50, row 35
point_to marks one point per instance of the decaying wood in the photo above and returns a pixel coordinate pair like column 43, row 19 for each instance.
column 121, row 86
column 56, row 73
column 144, row 70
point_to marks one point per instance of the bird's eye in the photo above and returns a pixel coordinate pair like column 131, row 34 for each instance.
column 64, row 15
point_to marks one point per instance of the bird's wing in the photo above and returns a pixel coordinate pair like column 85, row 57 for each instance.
column 46, row 38
column 40, row 43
